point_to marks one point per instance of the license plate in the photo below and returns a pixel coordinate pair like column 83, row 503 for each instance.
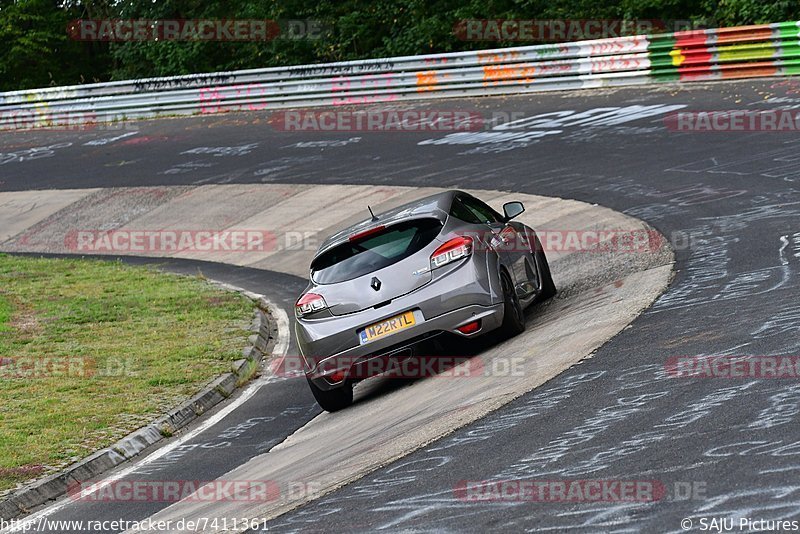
column 387, row 327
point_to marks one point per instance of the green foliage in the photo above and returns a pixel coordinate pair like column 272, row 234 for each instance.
column 35, row 50
column 739, row 12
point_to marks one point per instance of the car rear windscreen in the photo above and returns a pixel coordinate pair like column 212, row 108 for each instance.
column 375, row 251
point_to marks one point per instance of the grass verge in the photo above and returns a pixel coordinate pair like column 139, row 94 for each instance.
column 92, row 350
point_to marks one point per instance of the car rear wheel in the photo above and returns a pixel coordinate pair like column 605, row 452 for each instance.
column 335, row 399
column 513, row 316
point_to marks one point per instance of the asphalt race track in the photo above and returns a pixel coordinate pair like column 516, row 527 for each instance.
column 728, row 201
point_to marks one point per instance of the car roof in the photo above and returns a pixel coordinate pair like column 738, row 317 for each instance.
column 436, row 205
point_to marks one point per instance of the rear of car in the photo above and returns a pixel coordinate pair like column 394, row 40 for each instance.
column 381, row 289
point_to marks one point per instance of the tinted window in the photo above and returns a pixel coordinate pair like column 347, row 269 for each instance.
column 375, row 251
column 460, row 211
column 483, row 212
column 472, row 210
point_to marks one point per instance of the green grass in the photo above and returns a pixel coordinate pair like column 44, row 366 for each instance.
column 116, row 346
column 5, row 313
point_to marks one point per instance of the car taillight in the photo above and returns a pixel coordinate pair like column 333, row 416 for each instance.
column 309, row 303
column 453, row 250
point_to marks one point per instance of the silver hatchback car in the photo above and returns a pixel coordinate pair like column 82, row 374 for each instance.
column 447, row 263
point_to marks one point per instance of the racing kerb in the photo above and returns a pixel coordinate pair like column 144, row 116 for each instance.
column 688, row 56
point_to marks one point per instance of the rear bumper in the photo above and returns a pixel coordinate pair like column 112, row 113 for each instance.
column 400, row 345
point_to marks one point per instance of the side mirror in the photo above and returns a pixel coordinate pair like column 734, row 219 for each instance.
column 512, row 209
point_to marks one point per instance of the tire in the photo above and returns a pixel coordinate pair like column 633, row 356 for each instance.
column 547, row 289
column 335, row 399
column 513, row 316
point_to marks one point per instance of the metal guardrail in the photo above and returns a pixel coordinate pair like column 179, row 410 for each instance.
column 701, row 55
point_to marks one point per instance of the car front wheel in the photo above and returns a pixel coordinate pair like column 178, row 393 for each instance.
column 547, row 289
column 513, row 316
